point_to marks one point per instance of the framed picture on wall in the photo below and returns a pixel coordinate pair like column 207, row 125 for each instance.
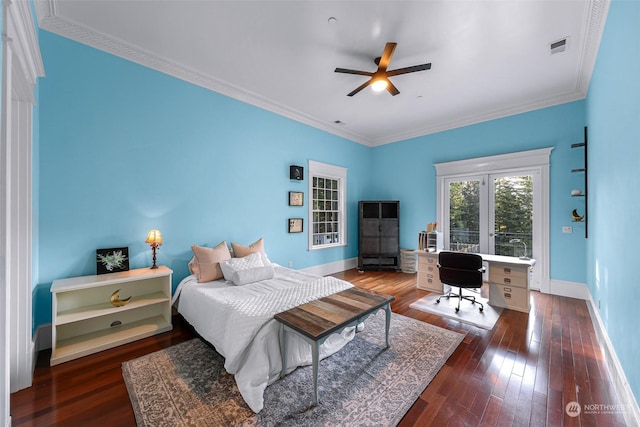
column 112, row 260
column 296, row 198
column 295, row 225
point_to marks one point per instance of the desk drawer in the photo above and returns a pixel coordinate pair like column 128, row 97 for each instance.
column 508, row 275
column 428, row 281
column 428, row 259
column 510, row 297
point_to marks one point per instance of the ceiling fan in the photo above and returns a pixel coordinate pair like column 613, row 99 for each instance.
column 379, row 80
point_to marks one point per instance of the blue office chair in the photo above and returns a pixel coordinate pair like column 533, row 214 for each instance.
column 460, row 270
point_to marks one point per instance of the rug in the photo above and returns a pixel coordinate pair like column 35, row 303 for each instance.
column 362, row 384
column 469, row 313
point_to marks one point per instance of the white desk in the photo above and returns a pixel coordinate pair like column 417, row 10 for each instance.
column 509, row 279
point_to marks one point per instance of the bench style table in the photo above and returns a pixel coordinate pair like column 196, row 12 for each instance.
column 316, row 320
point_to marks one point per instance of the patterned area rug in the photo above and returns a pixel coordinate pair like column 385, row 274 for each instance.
column 362, row 384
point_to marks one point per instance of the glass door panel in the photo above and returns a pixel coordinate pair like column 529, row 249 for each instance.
column 511, row 215
column 466, row 215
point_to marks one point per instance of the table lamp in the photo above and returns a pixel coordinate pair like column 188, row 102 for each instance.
column 154, row 238
column 524, row 254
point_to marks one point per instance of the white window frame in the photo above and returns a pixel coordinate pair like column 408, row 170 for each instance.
column 324, row 170
column 537, row 160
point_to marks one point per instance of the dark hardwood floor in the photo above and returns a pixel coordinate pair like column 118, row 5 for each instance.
column 523, row 372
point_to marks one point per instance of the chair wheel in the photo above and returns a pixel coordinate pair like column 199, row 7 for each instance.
column 457, row 309
column 480, row 309
column 438, row 301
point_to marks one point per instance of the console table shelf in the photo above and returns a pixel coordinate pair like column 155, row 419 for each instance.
column 84, row 321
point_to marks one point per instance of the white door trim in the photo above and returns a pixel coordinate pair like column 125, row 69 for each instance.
column 522, row 160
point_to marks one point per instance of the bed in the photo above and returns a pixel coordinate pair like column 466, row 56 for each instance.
column 235, row 314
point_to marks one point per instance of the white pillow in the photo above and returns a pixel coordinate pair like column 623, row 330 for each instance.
column 230, row 266
column 250, row 275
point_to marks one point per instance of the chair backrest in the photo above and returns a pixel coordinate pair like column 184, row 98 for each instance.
column 460, row 269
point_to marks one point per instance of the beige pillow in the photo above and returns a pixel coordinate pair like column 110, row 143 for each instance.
column 241, row 251
column 208, row 261
column 193, row 265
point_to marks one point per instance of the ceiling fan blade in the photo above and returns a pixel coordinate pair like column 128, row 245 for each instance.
column 409, row 70
column 392, row 89
column 385, row 59
column 359, row 88
column 358, row 72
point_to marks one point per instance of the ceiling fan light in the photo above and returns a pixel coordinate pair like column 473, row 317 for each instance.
column 379, row 85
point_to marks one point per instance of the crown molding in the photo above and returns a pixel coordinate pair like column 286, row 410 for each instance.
column 49, row 20
column 21, row 35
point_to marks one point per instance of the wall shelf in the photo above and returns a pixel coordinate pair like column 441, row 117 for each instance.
column 583, row 145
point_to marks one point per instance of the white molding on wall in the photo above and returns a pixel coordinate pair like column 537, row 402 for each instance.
column 333, row 267
column 620, row 382
column 564, row 288
column 21, row 66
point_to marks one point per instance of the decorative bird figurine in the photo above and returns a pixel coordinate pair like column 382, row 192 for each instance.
column 576, row 216
column 116, row 301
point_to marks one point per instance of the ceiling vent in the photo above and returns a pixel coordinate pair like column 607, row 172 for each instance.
column 559, row 45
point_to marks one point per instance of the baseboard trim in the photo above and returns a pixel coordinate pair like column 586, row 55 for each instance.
column 333, row 267
column 631, row 412
column 564, row 288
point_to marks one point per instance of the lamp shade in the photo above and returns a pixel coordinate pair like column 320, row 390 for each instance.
column 154, row 237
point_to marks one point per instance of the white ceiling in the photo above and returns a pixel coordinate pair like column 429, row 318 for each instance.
column 489, row 59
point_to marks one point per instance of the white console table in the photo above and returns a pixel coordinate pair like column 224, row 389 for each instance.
column 509, row 279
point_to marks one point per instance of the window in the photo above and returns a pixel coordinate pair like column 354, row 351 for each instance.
column 327, row 207
column 498, row 205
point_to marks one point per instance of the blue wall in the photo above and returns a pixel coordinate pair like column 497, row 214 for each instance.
column 124, row 149
column 613, row 116
column 405, row 171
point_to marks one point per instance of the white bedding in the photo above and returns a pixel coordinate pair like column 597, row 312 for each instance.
column 238, row 321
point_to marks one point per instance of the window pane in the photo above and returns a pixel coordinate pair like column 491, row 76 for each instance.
column 464, row 216
column 513, row 215
column 327, row 227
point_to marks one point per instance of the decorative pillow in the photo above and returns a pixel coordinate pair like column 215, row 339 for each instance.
column 207, row 261
column 231, row 266
column 250, row 275
column 193, row 265
column 241, row 251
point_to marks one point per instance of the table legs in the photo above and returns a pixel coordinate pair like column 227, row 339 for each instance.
column 387, row 309
column 315, row 350
column 283, row 350
column 314, row 358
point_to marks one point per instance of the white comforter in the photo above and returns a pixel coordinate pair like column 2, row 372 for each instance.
column 238, row 321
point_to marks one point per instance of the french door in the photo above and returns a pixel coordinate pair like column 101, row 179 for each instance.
column 492, row 213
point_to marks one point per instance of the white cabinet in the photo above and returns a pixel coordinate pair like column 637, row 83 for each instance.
column 428, row 275
column 84, row 321
column 509, row 285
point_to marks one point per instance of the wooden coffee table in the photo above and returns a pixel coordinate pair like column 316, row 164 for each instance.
column 318, row 319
